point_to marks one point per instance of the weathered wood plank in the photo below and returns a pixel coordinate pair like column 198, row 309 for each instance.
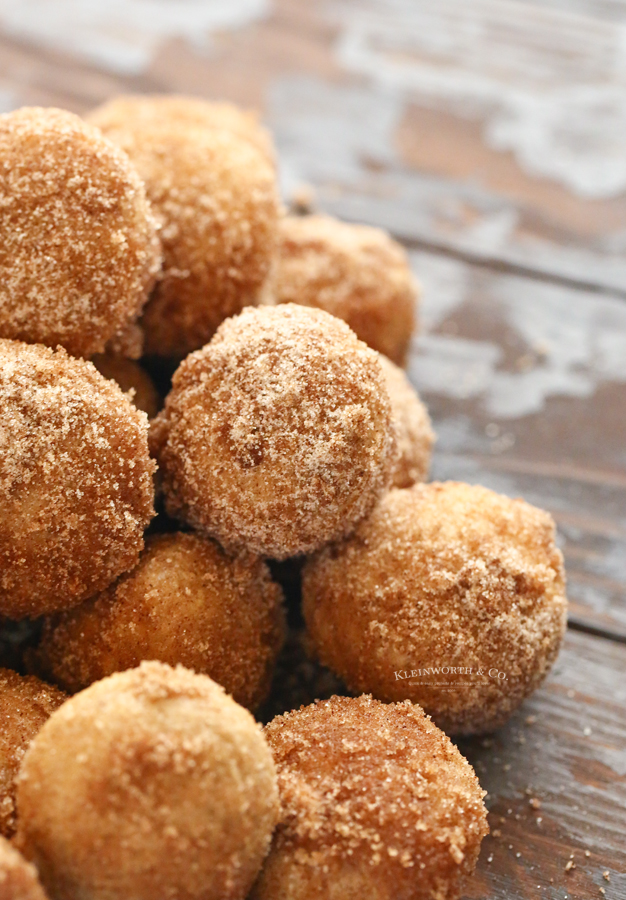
column 556, row 777
column 494, row 128
column 526, row 384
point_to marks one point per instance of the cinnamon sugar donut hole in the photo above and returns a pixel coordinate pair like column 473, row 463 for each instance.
column 414, row 433
column 18, row 878
column 355, row 272
column 76, row 487
column 376, row 802
column 276, row 436
column 151, row 783
column 448, row 595
column 141, row 111
column 185, row 602
column 210, row 177
column 130, row 376
column 25, row 704
column 78, row 242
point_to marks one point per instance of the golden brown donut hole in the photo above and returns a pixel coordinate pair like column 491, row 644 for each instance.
column 376, row 802
column 355, row 272
column 18, row 878
column 186, row 602
column 130, row 376
column 210, row 178
column 150, row 783
column 76, row 487
column 413, row 430
column 25, row 704
column 276, row 436
column 78, row 242
column 449, row 595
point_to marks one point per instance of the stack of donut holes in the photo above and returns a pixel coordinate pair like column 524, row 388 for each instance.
column 249, row 534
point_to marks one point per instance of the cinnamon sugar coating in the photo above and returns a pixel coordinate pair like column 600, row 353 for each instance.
column 186, row 602
column 78, row 242
column 355, row 272
column 152, row 783
column 18, row 878
column 141, row 111
column 127, row 343
column 376, row 802
column 449, row 595
column 25, row 704
column 210, row 177
column 276, row 436
column 76, row 487
column 414, row 433
column 130, row 376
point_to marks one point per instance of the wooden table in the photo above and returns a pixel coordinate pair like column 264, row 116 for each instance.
column 490, row 137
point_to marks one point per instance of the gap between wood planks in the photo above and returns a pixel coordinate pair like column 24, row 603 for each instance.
column 499, row 265
column 576, row 624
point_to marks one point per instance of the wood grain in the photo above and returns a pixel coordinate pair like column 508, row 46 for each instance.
column 564, row 749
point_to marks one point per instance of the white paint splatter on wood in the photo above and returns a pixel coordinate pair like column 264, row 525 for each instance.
column 324, row 131
column 548, row 80
column 122, row 35
column 341, row 138
column 575, row 341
